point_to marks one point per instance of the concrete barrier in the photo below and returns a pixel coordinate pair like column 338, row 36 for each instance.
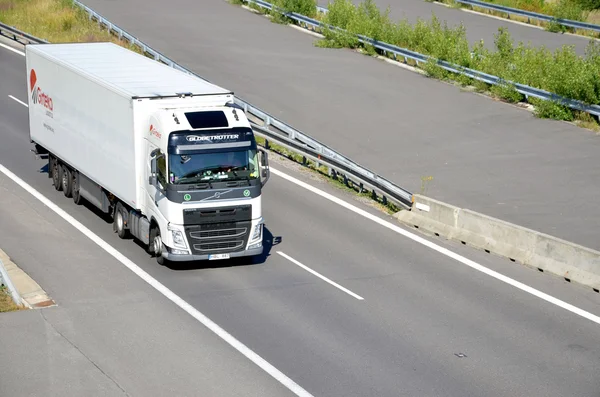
column 529, row 247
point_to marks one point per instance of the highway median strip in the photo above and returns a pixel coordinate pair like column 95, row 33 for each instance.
column 540, row 251
column 562, row 73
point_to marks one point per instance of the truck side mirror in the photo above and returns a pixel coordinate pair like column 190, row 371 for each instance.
column 265, row 172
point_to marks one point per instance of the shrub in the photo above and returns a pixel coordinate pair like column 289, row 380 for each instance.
column 304, row 7
column 562, row 72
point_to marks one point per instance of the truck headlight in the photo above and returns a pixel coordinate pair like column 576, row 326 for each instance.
column 178, row 239
column 257, row 232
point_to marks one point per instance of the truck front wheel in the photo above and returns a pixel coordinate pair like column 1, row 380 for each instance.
column 155, row 247
column 119, row 221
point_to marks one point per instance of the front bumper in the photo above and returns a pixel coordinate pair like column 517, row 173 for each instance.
column 189, row 258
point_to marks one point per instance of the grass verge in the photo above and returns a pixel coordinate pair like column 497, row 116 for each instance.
column 57, row 21
column 562, row 72
column 60, row 21
column 6, row 302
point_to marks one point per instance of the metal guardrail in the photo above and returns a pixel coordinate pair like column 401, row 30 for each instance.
column 278, row 132
column 5, row 280
column 515, row 11
column 406, row 54
column 531, row 15
column 21, row 37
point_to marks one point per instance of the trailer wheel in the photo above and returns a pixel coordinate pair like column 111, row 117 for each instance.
column 50, row 166
column 67, row 181
column 56, row 174
column 76, row 194
column 119, row 223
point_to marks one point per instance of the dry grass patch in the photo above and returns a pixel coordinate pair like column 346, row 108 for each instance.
column 57, row 21
column 6, row 302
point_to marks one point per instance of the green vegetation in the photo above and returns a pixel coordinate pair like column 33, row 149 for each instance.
column 57, row 21
column 577, row 10
column 6, row 302
column 303, row 7
column 562, row 72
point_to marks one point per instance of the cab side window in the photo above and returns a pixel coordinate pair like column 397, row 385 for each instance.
column 161, row 169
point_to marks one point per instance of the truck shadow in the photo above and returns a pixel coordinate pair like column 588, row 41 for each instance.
column 269, row 240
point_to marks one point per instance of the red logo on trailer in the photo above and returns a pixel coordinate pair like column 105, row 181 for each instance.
column 37, row 95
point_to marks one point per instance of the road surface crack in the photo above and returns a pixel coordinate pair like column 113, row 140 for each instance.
column 84, row 355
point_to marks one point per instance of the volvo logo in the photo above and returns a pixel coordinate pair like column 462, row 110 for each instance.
column 217, row 195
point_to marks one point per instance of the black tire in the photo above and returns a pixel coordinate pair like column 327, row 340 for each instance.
column 75, row 192
column 156, row 243
column 67, row 181
column 50, row 166
column 56, row 174
column 119, row 222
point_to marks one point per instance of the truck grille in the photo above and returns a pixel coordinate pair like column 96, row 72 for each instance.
column 226, row 245
column 215, row 238
column 213, row 234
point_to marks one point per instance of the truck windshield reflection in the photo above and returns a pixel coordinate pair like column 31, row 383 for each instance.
column 227, row 165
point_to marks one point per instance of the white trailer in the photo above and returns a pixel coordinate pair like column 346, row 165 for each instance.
column 167, row 155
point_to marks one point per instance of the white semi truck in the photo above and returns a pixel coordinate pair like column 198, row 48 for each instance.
column 168, row 156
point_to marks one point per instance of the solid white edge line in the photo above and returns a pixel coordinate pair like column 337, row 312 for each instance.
column 308, row 269
column 442, row 250
column 18, row 100
column 12, row 49
column 239, row 346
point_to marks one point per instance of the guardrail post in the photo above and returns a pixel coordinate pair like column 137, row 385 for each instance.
column 319, row 156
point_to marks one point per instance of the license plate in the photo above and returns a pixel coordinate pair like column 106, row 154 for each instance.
column 218, row 256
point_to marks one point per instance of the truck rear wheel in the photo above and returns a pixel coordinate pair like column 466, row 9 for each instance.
column 66, row 181
column 75, row 193
column 56, row 174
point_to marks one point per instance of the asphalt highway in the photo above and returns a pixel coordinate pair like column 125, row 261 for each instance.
column 340, row 304
column 483, row 155
column 478, row 27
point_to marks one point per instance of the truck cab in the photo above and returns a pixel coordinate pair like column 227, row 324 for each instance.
column 204, row 177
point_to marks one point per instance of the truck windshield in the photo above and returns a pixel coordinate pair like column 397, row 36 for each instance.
column 214, row 166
